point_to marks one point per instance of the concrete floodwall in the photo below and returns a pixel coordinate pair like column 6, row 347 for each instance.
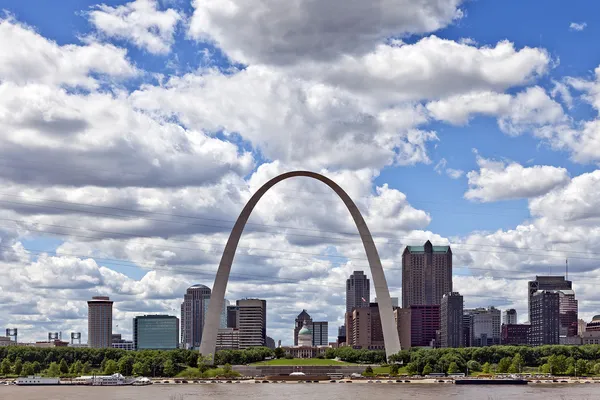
column 264, row 370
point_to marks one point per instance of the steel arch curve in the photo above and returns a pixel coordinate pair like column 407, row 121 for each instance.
column 217, row 297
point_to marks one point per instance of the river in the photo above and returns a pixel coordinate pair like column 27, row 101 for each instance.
column 306, row 392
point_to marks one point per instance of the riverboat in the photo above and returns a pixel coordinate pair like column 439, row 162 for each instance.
column 104, row 380
column 36, row 381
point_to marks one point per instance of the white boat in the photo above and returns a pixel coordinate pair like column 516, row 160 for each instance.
column 104, row 380
column 37, row 381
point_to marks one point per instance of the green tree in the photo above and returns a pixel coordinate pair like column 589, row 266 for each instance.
column 76, row 368
column 411, row 369
column 279, row 352
column 18, row 367
column 473, row 366
column 517, row 364
column 486, row 368
column 86, row 368
column 63, row 367
column 5, row 367
column 228, row 371
column 453, row 368
column 503, row 365
column 142, row 368
column 110, row 367
column 125, row 365
column 53, row 370
column 394, row 368
column 169, row 368
column 368, row 371
column 427, row 370
column 28, row 369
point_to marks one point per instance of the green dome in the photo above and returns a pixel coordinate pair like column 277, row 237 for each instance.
column 596, row 318
column 305, row 331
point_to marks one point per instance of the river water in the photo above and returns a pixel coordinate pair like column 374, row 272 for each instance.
column 306, row 392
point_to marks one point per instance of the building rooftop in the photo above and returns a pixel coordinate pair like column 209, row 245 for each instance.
column 421, row 249
column 199, row 286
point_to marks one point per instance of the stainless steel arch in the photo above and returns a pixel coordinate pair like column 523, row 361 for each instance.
column 217, row 297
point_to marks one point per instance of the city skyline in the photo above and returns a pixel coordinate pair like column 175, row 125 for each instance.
column 126, row 155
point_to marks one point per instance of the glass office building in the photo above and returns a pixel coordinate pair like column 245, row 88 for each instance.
column 155, row 332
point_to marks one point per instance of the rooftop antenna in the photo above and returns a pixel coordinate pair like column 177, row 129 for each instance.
column 567, row 265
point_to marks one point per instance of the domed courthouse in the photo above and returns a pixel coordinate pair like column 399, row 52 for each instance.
column 304, row 338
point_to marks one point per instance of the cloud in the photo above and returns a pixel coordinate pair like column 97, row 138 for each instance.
column 440, row 167
column 577, row 26
column 271, row 32
column 455, row 173
column 139, row 22
column 498, row 180
column 31, row 58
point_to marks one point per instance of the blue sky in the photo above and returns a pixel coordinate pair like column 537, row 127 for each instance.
column 471, row 123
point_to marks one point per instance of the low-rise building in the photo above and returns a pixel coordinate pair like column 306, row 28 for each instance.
column 51, row 343
column 5, row 341
column 590, row 337
column 124, row 345
column 228, row 339
column 156, row 332
column 515, row 334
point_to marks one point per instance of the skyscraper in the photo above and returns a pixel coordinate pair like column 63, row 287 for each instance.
column 358, row 291
column 509, row 317
column 320, row 331
column 363, row 328
column 485, row 326
column 567, row 302
column 192, row 315
column 252, row 322
column 100, row 322
column 545, row 317
column 451, row 314
column 426, row 274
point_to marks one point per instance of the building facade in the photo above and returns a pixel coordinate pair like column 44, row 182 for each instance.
column 156, row 332
column 358, row 291
column 232, row 316
column 485, row 326
column 363, row 328
column 426, row 274
column 402, row 318
column 424, row 325
column 228, row 339
column 594, row 325
column 192, row 315
column 515, row 334
column 100, row 322
column 545, row 318
column 302, row 319
column 320, row 331
column 451, row 319
column 581, row 327
column 252, row 322
column 509, row 317
column 592, row 337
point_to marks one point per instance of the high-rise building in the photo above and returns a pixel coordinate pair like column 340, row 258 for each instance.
column 341, row 338
column 192, row 315
column 451, row 315
column 155, row 332
column 363, row 328
column 252, row 322
column 100, row 322
column 270, row 343
column 568, row 304
column 358, row 291
column 320, row 332
column 545, row 318
column 222, row 316
column 424, row 324
column 402, row 318
column 426, row 274
column 228, row 339
column 515, row 334
column 299, row 323
column 509, row 317
column 467, row 329
column 485, row 326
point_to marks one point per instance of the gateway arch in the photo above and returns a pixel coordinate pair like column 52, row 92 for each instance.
column 217, row 297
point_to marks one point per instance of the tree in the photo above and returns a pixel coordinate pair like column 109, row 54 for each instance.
column 473, row 366
column 5, row 367
column 517, row 363
column 279, row 352
column 427, row 370
column 53, row 370
column 368, row 371
column 126, row 365
column 141, row 368
column 411, row 369
column 86, row 368
column 76, row 368
column 453, row 368
column 228, row 371
column 18, row 367
column 28, row 369
column 503, row 365
column 394, row 369
column 110, row 367
column 486, row 368
column 169, row 368
column 63, row 367
column 203, row 364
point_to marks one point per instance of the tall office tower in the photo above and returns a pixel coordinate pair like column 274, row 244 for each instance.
column 568, row 304
column 545, row 317
column 467, row 329
column 222, row 316
column 451, row 315
column 192, row 315
column 358, row 291
column 509, row 317
column 320, row 332
column 100, row 322
column 299, row 323
column 155, row 332
column 485, row 326
column 426, row 274
column 232, row 316
column 252, row 322
column 363, row 328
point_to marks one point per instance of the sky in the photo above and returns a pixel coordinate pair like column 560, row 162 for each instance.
column 132, row 134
